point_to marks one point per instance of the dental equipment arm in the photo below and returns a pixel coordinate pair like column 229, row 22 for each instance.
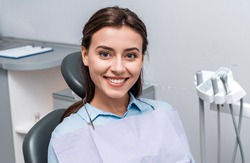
column 199, row 80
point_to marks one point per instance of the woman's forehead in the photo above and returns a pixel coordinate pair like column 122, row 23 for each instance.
column 117, row 37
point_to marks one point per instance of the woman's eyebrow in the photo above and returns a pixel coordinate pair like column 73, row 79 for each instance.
column 131, row 49
column 111, row 49
column 105, row 47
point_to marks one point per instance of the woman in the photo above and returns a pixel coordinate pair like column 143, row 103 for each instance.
column 112, row 124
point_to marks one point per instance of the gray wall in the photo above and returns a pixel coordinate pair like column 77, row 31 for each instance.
column 185, row 36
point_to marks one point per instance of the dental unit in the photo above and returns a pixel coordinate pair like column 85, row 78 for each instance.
column 219, row 89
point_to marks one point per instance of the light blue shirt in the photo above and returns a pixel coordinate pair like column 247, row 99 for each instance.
column 77, row 120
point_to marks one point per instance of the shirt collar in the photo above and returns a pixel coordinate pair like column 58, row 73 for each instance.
column 94, row 112
column 138, row 103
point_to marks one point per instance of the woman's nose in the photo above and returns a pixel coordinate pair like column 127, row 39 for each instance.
column 118, row 66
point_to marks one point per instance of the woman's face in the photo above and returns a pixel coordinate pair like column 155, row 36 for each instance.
column 115, row 60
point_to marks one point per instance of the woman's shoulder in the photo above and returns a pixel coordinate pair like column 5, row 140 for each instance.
column 157, row 103
column 69, row 124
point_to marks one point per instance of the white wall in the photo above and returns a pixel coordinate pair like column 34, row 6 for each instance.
column 1, row 8
column 185, row 36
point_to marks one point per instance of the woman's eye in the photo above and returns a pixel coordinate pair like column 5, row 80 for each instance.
column 104, row 54
column 131, row 55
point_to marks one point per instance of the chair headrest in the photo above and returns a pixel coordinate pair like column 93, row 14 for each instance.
column 71, row 69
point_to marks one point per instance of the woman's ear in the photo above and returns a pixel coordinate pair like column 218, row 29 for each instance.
column 142, row 61
column 85, row 56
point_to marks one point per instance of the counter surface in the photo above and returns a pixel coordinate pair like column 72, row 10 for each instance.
column 35, row 62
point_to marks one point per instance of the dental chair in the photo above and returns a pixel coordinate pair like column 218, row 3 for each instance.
column 35, row 144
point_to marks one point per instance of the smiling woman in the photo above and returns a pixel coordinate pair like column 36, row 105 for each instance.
column 115, row 60
column 113, row 123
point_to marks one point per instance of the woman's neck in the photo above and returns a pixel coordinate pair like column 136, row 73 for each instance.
column 116, row 106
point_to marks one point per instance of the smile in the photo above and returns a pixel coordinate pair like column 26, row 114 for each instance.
column 117, row 82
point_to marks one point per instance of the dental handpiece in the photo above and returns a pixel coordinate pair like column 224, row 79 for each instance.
column 199, row 77
column 224, row 80
column 215, row 85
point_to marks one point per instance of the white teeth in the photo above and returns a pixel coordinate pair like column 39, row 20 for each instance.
column 117, row 81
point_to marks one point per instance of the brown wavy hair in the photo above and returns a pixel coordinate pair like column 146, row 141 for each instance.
column 108, row 17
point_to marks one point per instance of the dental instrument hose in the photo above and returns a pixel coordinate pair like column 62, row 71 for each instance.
column 216, row 90
column 239, row 128
column 224, row 80
column 237, row 131
column 219, row 134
